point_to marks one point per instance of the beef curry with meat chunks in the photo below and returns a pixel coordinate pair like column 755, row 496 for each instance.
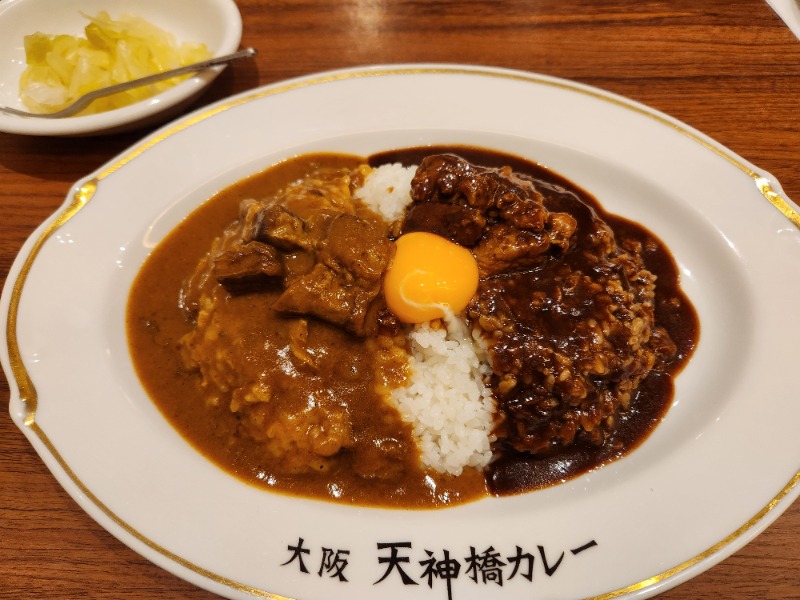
column 260, row 329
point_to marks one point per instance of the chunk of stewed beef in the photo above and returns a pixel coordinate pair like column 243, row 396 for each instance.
column 344, row 285
column 461, row 224
column 313, row 245
column 247, row 264
column 498, row 214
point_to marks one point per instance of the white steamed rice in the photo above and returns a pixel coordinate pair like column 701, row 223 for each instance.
column 387, row 190
column 449, row 407
column 445, row 400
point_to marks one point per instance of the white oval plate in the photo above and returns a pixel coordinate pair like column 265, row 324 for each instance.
column 721, row 466
column 215, row 23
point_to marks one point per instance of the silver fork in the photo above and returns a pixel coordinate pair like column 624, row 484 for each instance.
column 86, row 99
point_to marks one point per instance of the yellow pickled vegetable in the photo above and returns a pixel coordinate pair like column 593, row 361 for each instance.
column 60, row 68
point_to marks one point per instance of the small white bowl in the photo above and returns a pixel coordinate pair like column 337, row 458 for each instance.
column 217, row 23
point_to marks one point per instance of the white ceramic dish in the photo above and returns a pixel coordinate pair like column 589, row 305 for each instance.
column 217, row 23
column 715, row 472
column 789, row 11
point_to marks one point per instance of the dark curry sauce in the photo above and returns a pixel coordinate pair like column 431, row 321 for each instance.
column 156, row 323
column 513, row 472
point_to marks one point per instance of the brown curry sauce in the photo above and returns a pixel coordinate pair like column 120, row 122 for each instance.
column 156, row 323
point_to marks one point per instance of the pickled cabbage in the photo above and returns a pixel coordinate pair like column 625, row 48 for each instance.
column 60, row 68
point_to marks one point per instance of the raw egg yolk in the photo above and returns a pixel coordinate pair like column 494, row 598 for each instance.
column 429, row 277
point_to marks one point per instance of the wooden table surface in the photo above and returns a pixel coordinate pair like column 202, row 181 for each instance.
column 730, row 68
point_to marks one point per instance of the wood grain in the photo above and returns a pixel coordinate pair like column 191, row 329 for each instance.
column 729, row 68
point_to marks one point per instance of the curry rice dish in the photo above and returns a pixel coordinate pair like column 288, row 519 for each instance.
column 417, row 329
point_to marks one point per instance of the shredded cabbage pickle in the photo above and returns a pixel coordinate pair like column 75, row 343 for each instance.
column 61, row 68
